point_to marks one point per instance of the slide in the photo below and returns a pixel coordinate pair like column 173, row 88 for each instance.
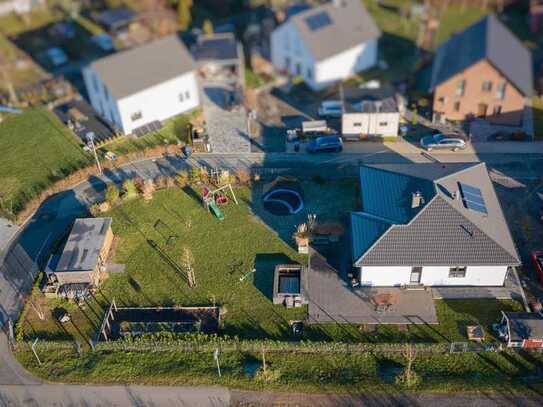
column 216, row 211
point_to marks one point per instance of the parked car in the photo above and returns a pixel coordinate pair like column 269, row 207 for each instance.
column 442, row 142
column 55, row 57
column 537, row 262
column 104, row 42
column 111, row 156
column 331, row 108
column 325, row 144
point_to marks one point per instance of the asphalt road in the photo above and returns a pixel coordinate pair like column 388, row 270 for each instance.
column 28, row 252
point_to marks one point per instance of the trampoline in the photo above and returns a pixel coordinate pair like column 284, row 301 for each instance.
column 283, row 197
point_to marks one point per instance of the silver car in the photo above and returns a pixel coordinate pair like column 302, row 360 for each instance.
column 441, row 142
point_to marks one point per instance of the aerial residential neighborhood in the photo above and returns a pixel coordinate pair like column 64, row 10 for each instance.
column 290, row 202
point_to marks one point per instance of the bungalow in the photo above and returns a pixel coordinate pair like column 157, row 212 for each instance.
column 82, row 261
column 430, row 225
column 326, row 44
column 139, row 88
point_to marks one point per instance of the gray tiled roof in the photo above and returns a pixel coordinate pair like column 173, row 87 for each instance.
column 351, row 25
column 443, row 232
column 487, row 39
column 524, row 325
column 128, row 72
column 217, row 47
column 82, row 249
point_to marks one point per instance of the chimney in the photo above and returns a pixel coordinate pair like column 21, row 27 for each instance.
column 417, row 200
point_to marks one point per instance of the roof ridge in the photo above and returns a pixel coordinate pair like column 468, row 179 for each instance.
column 475, row 164
column 397, row 225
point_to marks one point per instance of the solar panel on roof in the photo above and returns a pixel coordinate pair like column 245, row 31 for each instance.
column 318, row 21
column 472, row 198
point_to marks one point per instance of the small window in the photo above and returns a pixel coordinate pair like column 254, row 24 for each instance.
column 442, row 99
column 309, row 73
column 460, row 87
column 357, row 124
column 497, row 110
column 383, row 124
column 136, row 116
column 487, row 86
column 187, row 95
column 456, row 106
column 298, row 69
column 181, row 97
column 457, row 272
column 500, row 90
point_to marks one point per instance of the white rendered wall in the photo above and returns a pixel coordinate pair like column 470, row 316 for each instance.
column 159, row 102
column 433, row 276
column 286, row 43
column 345, row 64
column 101, row 100
column 370, row 124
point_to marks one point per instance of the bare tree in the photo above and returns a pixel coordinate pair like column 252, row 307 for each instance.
column 187, row 262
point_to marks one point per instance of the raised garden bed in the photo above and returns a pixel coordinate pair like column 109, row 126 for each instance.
column 134, row 321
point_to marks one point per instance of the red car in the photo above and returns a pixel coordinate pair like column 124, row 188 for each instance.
column 537, row 261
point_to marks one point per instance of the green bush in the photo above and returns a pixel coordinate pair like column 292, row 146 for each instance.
column 112, row 194
column 129, row 189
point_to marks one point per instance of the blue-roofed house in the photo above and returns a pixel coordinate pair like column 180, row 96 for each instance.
column 432, row 225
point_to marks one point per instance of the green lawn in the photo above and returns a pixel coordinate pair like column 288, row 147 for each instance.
column 37, row 149
column 506, row 372
column 173, row 131
column 224, row 252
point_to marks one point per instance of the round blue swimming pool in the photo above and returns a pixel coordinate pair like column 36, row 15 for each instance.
column 283, row 201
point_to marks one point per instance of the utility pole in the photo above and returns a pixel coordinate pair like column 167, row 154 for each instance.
column 216, row 357
column 34, row 350
column 90, row 143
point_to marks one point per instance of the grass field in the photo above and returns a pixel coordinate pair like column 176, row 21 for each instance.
column 37, row 149
column 507, row 372
column 224, row 252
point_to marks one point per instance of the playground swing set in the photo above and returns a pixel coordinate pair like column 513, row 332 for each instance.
column 214, row 198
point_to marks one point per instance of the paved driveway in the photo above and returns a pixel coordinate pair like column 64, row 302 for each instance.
column 227, row 129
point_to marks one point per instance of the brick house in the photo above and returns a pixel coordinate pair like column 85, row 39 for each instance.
column 482, row 72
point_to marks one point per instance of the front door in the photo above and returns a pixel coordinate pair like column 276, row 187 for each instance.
column 416, row 273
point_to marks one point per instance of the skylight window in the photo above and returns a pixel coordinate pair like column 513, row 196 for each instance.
column 472, row 198
column 318, row 21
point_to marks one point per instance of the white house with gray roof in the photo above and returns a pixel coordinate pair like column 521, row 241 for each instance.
column 143, row 86
column 430, row 225
column 326, row 44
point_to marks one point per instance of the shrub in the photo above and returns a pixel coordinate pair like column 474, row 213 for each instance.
column 243, row 176
column 268, row 375
column 129, row 188
column 138, row 182
column 112, row 194
column 94, row 209
column 160, row 182
column 409, row 380
column 182, row 178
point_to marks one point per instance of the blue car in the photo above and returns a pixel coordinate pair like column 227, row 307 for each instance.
column 325, row 144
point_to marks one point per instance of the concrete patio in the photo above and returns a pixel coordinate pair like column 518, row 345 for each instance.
column 332, row 299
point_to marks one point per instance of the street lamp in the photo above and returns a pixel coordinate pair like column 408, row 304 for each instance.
column 90, row 143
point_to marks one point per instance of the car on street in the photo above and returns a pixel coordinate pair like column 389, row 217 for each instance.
column 110, row 156
column 537, row 262
column 442, row 142
column 325, row 144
